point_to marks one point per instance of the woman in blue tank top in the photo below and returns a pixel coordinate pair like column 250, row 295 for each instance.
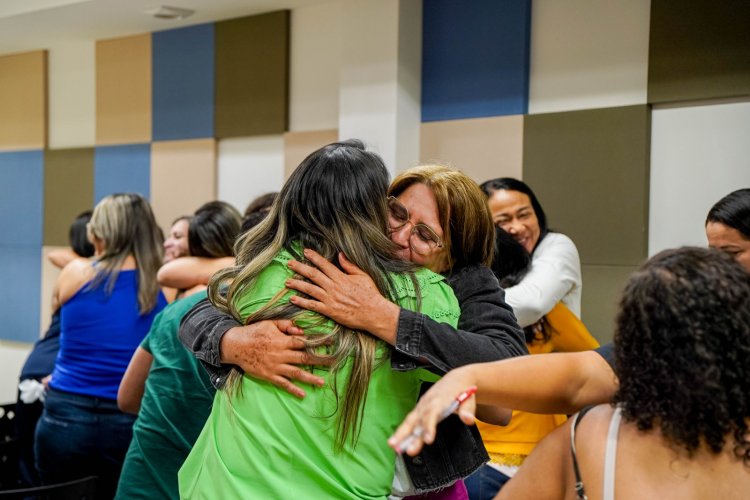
column 107, row 306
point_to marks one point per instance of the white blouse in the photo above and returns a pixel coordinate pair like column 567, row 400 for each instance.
column 555, row 276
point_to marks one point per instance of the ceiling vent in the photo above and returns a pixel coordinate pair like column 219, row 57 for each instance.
column 170, row 13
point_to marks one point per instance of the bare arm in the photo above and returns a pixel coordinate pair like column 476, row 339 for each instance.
column 60, row 257
column 133, row 383
column 563, row 383
column 186, row 272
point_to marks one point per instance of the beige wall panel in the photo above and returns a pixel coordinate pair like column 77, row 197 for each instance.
column 12, row 357
column 602, row 287
column 315, row 66
column 72, row 95
column 49, row 277
column 588, row 54
column 297, row 145
column 23, row 101
column 123, row 90
column 183, row 177
column 484, row 148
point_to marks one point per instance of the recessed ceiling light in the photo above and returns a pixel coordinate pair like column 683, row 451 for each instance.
column 170, row 13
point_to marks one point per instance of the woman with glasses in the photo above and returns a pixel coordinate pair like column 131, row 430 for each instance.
column 439, row 219
column 260, row 441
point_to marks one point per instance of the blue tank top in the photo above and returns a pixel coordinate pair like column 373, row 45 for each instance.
column 99, row 333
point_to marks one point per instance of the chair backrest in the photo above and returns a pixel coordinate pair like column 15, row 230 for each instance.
column 10, row 476
column 80, row 489
column 7, row 425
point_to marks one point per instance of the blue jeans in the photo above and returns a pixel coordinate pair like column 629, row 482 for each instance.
column 485, row 483
column 79, row 436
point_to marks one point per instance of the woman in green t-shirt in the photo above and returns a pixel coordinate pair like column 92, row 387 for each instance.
column 262, row 442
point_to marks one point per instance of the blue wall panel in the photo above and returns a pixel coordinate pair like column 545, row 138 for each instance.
column 21, row 198
column 122, row 169
column 20, row 293
column 183, row 83
column 475, row 59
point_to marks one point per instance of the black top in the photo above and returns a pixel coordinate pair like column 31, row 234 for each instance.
column 41, row 360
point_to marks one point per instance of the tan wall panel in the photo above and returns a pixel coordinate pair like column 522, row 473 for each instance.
column 590, row 171
column 484, row 148
column 123, row 90
column 297, row 145
column 49, row 278
column 183, row 177
column 602, row 288
column 23, row 101
column 68, row 190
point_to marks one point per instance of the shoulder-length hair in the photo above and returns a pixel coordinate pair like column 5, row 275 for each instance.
column 468, row 232
column 682, row 349
column 511, row 184
column 125, row 225
column 334, row 201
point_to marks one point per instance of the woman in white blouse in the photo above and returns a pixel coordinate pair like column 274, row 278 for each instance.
column 555, row 273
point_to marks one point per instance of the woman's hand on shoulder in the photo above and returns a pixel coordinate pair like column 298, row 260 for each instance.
column 348, row 297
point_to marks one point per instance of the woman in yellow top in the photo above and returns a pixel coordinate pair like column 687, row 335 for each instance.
column 559, row 330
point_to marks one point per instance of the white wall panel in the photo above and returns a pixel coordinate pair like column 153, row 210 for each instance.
column 72, row 95
column 315, row 67
column 12, row 357
column 698, row 155
column 249, row 167
column 588, row 54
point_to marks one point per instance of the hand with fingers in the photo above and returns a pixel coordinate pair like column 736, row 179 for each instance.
column 348, row 297
column 419, row 426
column 273, row 351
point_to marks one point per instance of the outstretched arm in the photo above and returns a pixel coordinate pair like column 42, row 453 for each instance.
column 187, row 272
column 133, row 384
column 562, row 383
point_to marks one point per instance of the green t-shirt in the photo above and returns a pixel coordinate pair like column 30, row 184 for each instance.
column 176, row 403
column 266, row 443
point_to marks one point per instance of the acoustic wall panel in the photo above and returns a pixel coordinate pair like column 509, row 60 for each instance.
column 20, row 275
column 183, row 177
column 698, row 50
column 21, row 199
column 72, row 95
column 699, row 154
column 250, row 167
column 484, row 148
column 297, row 145
column 50, row 272
column 315, row 67
column 23, row 101
column 122, row 169
column 252, row 75
column 183, row 83
column 68, row 190
column 475, row 59
column 590, row 170
column 602, row 289
column 123, row 90
column 588, row 54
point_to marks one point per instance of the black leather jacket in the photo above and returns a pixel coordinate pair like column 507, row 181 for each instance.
column 487, row 331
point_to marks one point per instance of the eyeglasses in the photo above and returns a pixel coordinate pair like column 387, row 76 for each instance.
column 426, row 239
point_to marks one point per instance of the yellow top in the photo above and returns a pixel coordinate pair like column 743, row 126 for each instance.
column 510, row 444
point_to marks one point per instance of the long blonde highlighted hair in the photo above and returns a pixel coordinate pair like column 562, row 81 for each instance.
column 335, row 201
column 125, row 225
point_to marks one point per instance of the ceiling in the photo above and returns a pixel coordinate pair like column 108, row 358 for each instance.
column 42, row 24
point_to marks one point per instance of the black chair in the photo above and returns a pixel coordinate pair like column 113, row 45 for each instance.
column 80, row 489
column 9, row 448
column 7, row 425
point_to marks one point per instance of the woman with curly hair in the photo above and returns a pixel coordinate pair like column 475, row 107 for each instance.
column 679, row 425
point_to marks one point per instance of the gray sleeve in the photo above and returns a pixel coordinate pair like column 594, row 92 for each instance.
column 201, row 330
